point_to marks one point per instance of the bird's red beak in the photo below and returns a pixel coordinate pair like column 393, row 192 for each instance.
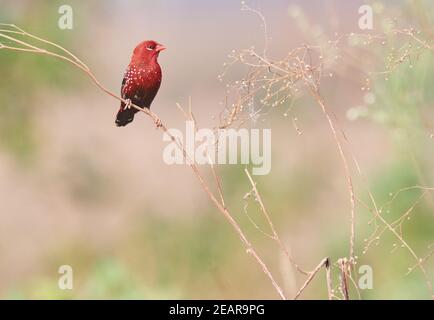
column 160, row 47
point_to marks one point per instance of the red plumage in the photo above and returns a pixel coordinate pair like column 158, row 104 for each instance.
column 141, row 81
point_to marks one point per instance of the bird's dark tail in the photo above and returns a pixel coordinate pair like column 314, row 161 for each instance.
column 125, row 116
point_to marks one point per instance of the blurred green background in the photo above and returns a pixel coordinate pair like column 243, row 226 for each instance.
column 75, row 190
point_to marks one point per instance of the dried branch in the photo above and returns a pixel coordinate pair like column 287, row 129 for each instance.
column 275, row 235
column 324, row 263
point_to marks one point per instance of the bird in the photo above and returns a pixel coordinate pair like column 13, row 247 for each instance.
column 141, row 81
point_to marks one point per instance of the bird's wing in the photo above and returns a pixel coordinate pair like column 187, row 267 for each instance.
column 123, row 86
column 124, row 115
column 131, row 89
column 139, row 87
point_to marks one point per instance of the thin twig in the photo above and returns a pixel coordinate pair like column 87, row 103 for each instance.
column 271, row 225
column 324, row 263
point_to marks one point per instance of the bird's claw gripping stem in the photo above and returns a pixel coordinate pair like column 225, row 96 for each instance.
column 128, row 104
column 158, row 123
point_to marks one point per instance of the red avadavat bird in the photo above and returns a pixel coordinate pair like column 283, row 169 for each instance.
column 141, row 80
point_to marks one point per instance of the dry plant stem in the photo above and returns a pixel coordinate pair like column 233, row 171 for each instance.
column 221, row 207
column 288, row 71
column 79, row 64
column 329, row 279
column 324, row 263
column 353, row 281
column 343, row 266
column 248, row 245
column 218, row 182
column 390, row 227
column 326, row 112
column 275, row 235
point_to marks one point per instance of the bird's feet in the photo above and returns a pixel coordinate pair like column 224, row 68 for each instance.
column 128, row 104
column 158, row 123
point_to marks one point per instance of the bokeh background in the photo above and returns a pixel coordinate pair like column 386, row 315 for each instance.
column 75, row 190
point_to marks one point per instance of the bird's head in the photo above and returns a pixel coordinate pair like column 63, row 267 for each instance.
column 147, row 51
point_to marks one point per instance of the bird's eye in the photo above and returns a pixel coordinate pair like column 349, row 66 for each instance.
column 150, row 47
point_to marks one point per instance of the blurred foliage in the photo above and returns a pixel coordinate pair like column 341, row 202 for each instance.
column 151, row 263
column 23, row 75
